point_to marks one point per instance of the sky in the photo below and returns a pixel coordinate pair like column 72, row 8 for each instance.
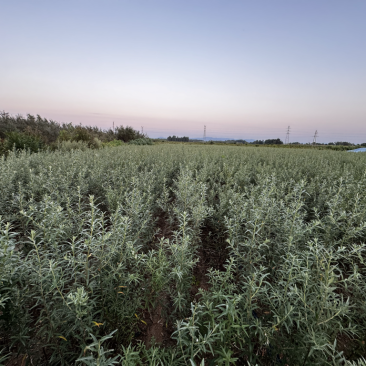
column 244, row 69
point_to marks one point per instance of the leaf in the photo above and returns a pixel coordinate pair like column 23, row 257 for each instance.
column 97, row 324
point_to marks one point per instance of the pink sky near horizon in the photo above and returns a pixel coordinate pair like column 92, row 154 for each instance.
column 244, row 69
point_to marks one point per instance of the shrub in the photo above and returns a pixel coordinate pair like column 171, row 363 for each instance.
column 113, row 143
column 31, row 125
column 20, row 141
column 127, row 134
column 81, row 134
column 141, row 141
column 72, row 145
column 2, row 147
column 65, row 135
column 95, row 143
column 44, row 132
column 228, row 256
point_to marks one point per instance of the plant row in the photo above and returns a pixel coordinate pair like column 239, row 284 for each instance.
column 183, row 255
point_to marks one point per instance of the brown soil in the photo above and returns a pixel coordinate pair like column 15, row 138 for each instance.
column 17, row 361
column 155, row 328
column 165, row 230
column 200, row 275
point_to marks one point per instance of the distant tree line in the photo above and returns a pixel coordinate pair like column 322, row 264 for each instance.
column 240, row 141
column 341, row 143
column 36, row 133
column 267, row 142
column 176, row 138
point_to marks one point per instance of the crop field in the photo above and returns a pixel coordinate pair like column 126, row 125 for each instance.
column 183, row 255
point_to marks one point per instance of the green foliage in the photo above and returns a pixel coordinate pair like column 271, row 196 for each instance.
column 113, row 143
column 81, row 134
column 20, row 141
column 78, row 138
column 176, row 138
column 127, row 134
column 68, row 145
column 35, row 126
column 3, row 358
column 225, row 255
column 98, row 357
column 3, row 146
column 268, row 142
column 141, row 141
column 36, row 133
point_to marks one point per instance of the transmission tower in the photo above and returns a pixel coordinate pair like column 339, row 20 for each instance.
column 315, row 136
column 142, row 130
column 204, row 132
column 287, row 140
column 113, row 126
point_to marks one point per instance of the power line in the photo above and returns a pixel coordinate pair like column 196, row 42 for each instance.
column 261, row 134
column 270, row 134
column 267, row 131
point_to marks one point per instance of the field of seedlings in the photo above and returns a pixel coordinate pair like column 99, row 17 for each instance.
column 183, row 255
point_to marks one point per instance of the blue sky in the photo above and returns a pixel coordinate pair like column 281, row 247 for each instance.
column 245, row 69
